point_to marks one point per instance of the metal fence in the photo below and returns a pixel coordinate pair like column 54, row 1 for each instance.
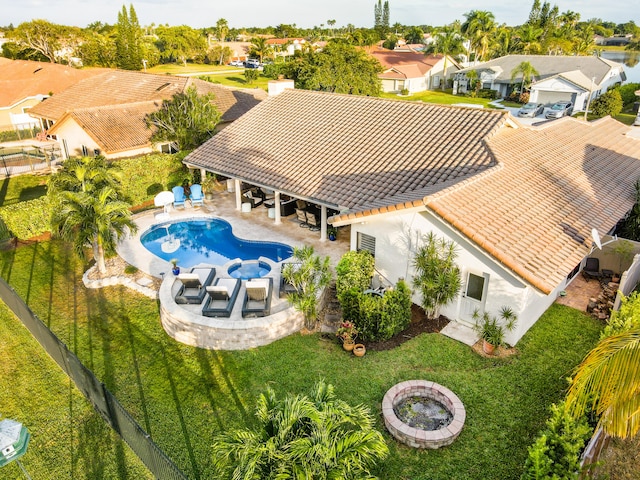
column 28, row 159
column 95, row 391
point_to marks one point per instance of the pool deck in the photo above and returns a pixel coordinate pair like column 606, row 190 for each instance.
column 184, row 322
column 253, row 225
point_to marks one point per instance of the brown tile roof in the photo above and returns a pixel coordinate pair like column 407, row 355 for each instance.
column 117, row 87
column 534, row 213
column 115, row 128
column 24, row 78
column 345, row 150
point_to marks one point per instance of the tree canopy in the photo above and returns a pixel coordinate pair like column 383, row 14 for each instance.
column 187, row 120
column 128, row 40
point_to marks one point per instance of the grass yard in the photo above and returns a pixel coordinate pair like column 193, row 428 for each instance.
column 444, row 98
column 182, row 396
column 21, row 188
column 190, row 68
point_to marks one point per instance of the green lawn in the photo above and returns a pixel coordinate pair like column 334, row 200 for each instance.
column 182, row 396
column 21, row 188
column 180, row 69
column 445, row 98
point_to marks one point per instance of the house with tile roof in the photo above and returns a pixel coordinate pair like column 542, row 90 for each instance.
column 105, row 114
column 568, row 78
column 25, row 83
column 414, row 71
column 519, row 202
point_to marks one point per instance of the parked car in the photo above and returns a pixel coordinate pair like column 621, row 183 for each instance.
column 236, row 63
column 560, row 109
column 252, row 64
column 531, row 109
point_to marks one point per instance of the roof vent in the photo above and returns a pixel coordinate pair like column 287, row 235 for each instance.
column 37, row 70
column 163, row 86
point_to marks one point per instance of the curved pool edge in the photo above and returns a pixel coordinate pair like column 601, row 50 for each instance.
column 234, row 333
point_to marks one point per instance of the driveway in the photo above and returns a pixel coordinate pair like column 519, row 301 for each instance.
column 514, row 111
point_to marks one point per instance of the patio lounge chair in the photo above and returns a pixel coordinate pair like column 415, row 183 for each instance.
column 302, row 218
column 194, row 285
column 313, row 220
column 178, row 196
column 257, row 297
column 222, row 297
column 197, row 198
column 254, row 198
column 285, row 287
column 592, row 269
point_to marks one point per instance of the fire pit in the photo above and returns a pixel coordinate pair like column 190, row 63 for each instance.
column 423, row 414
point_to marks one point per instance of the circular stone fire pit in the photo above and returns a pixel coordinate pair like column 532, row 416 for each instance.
column 416, row 437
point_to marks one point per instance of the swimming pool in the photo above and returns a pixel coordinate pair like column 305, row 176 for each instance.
column 211, row 240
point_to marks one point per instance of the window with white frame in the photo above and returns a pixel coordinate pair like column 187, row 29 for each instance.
column 475, row 286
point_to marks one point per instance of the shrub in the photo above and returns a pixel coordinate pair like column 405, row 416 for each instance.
column 379, row 318
column 27, row 219
column 354, row 271
column 404, row 91
column 130, row 269
column 556, row 452
column 628, row 93
column 609, row 103
column 488, row 93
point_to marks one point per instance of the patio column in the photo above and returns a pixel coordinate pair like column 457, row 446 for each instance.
column 276, row 204
column 323, row 223
column 236, row 182
column 203, row 174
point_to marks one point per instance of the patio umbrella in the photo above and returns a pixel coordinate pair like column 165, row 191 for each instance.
column 14, row 439
column 163, row 199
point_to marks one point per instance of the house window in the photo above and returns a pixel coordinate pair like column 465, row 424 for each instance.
column 85, row 151
column 168, row 148
column 475, row 286
column 366, row 242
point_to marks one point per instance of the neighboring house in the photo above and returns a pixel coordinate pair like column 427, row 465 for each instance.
column 286, row 47
column 105, row 114
column 414, row 71
column 615, row 41
column 571, row 78
column 519, row 202
column 24, row 84
column 239, row 50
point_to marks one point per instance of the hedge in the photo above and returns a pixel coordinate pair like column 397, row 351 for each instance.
column 27, row 219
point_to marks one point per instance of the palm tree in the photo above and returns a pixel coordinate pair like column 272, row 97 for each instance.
column 608, row 380
column 437, row 276
column 479, row 27
column 529, row 39
column 260, row 48
column 85, row 174
column 222, row 29
column 527, row 71
column 315, row 436
column 447, row 41
column 96, row 219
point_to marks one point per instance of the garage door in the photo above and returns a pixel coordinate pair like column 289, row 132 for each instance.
column 548, row 98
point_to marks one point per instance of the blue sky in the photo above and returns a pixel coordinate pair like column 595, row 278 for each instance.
column 303, row 13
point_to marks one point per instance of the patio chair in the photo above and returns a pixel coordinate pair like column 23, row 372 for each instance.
column 255, row 199
column 285, row 287
column 194, row 285
column 313, row 220
column 178, row 196
column 592, row 269
column 257, row 297
column 197, row 198
column 302, row 217
column 222, row 297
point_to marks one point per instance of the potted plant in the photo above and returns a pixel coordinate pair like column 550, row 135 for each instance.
column 359, row 350
column 175, row 268
column 209, row 185
column 492, row 329
column 332, row 232
column 347, row 332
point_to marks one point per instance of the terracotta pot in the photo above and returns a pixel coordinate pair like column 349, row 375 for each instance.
column 359, row 350
column 487, row 347
column 348, row 345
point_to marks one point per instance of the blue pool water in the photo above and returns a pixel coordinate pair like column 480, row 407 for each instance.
column 247, row 270
column 207, row 241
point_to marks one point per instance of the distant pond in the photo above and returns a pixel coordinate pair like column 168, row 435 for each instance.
column 630, row 60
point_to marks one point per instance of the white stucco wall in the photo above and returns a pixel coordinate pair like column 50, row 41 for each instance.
column 397, row 237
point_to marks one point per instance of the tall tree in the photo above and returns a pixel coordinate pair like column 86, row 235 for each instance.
column 479, row 27
column 128, row 40
column 315, row 436
column 260, row 48
column 39, row 37
column 527, row 72
column 180, row 44
column 187, row 119
column 447, row 41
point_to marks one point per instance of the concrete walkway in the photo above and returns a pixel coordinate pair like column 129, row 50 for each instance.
column 461, row 333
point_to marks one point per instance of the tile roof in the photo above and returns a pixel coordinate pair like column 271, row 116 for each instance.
column 117, row 87
column 555, row 183
column 345, row 150
column 25, row 78
column 549, row 65
column 115, row 128
column 399, row 59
